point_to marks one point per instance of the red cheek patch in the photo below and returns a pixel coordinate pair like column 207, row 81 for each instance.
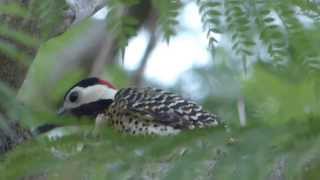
column 106, row 83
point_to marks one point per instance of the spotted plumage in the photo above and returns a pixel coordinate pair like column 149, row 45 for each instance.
column 136, row 111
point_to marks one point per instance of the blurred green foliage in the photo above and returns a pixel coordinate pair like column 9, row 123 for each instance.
column 254, row 153
column 271, row 60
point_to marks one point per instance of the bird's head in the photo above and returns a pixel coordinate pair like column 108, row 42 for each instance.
column 88, row 97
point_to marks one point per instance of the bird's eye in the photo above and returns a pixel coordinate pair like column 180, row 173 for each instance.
column 73, row 96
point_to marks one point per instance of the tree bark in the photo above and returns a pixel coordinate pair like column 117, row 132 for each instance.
column 13, row 71
column 18, row 47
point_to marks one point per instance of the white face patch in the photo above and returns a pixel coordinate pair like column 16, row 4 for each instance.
column 89, row 94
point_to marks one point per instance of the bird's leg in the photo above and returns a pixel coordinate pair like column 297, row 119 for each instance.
column 101, row 122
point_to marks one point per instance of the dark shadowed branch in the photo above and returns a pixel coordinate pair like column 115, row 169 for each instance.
column 137, row 79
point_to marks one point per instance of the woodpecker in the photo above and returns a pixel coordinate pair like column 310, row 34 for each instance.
column 135, row 111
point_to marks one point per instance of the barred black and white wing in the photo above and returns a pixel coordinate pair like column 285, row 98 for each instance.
column 163, row 108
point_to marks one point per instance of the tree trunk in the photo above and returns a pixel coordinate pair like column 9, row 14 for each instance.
column 13, row 71
column 20, row 38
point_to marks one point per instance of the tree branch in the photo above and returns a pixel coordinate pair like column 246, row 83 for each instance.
column 137, row 79
column 84, row 8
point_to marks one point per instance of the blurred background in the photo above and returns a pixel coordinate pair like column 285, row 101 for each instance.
column 254, row 63
column 184, row 63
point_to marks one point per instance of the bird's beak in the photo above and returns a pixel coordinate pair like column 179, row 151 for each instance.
column 61, row 111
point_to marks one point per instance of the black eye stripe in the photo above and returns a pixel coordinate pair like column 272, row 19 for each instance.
column 73, row 96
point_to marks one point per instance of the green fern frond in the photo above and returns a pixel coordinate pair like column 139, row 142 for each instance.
column 14, row 53
column 47, row 15
column 122, row 26
column 13, row 9
column 211, row 17
column 16, row 40
column 168, row 11
column 270, row 31
column 19, row 36
column 238, row 24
